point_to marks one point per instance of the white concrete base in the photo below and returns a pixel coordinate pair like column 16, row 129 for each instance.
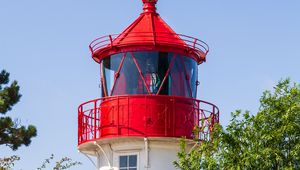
column 152, row 153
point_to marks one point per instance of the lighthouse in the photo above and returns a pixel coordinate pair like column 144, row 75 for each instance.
column 148, row 100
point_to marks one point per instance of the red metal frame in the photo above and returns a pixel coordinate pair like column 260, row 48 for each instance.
column 145, row 115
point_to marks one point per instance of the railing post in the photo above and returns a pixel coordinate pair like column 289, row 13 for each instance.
column 79, row 125
column 91, row 49
column 145, row 116
column 128, row 115
column 166, row 119
column 111, row 41
column 86, row 121
column 118, row 115
column 95, row 119
column 198, row 119
column 194, row 44
column 213, row 115
column 173, row 126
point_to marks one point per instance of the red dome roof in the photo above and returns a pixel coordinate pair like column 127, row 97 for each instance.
column 149, row 32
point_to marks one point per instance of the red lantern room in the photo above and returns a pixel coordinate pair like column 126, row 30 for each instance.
column 149, row 79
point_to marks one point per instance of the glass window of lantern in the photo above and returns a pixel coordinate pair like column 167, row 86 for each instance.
column 163, row 65
column 147, row 69
column 109, row 67
column 129, row 80
column 177, row 78
column 148, row 63
column 192, row 73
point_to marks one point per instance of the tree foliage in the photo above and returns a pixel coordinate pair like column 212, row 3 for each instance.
column 8, row 162
column 268, row 140
column 12, row 134
column 63, row 163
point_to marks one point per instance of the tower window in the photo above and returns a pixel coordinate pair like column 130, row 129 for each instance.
column 128, row 162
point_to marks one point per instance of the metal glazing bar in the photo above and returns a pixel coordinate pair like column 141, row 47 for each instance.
column 117, row 73
column 187, row 77
column 167, row 74
column 102, row 79
column 141, row 73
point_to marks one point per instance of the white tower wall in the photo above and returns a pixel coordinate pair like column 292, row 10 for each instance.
column 151, row 153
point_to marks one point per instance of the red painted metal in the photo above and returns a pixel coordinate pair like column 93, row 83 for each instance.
column 145, row 116
column 149, row 32
column 141, row 41
column 149, row 6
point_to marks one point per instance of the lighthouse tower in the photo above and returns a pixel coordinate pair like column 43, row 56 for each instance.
column 149, row 79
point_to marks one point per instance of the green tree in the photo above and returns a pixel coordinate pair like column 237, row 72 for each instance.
column 63, row 163
column 8, row 162
column 268, row 140
column 12, row 134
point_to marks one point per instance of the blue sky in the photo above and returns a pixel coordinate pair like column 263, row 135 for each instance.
column 44, row 45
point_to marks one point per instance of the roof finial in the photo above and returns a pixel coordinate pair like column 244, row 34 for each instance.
column 151, row 1
column 149, row 6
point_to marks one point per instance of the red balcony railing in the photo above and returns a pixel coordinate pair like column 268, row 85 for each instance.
column 177, row 41
column 145, row 115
